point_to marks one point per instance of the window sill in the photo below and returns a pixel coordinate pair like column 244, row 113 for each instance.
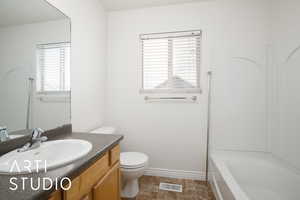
column 54, row 97
column 171, row 91
column 54, row 93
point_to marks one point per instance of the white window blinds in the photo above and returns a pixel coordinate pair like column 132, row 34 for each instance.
column 171, row 61
column 53, row 67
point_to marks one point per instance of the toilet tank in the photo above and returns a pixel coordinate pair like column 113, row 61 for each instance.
column 104, row 130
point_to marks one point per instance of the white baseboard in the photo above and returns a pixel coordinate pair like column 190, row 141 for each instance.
column 170, row 173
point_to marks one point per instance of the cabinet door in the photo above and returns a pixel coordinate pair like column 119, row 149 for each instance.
column 108, row 188
column 74, row 192
column 84, row 183
column 55, row 196
column 87, row 197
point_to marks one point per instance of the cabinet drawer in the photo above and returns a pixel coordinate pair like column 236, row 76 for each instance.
column 114, row 155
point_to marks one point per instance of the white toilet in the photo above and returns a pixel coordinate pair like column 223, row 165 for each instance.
column 133, row 166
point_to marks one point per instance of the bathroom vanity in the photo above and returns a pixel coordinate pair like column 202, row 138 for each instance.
column 100, row 181
column 94, row 176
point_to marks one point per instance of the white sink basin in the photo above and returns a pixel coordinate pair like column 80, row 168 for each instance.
column 51, row 154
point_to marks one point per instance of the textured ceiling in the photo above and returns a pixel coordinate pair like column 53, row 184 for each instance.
column 17, row 12
column 131, row 4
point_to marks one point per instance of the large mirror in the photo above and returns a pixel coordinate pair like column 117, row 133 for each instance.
column 35, row 47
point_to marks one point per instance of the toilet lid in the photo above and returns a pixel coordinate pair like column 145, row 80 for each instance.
column 133, row 159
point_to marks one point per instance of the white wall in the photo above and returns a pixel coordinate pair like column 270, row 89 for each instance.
column 174, row 135
column 18, row 51
column 88, row 60
column 286, row 82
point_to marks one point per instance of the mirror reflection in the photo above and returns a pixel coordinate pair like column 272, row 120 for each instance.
column 35, row 47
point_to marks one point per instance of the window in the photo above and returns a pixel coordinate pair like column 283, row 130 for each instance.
column 53, row 68
column 171, row 62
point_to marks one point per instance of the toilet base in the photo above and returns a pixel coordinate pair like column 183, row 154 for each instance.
column 130, row 189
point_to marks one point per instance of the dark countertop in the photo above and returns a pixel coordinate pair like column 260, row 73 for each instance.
column 101, row 144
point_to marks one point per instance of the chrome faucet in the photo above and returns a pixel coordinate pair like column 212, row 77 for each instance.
column 36, row 140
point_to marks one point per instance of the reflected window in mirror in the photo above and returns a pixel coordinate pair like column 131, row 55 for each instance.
column 34, row 67
column 53, row 68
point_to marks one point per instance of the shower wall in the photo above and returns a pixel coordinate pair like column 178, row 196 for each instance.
column 284, row 100
column 239, row 100
column 257, row 78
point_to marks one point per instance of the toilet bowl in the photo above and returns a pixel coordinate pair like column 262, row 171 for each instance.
column 132, row 166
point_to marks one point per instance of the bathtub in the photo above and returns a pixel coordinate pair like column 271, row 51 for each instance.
column 252, row 176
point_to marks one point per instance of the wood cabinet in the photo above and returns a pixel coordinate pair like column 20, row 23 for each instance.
column 101, row 181
column 108, row 187
column 88, row 197
column 55, row 196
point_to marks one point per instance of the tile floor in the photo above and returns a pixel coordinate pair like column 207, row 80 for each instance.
column 192, row 190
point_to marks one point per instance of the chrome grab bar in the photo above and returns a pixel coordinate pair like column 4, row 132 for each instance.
column 193, row 98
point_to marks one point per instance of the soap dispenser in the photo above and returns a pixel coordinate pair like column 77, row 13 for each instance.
column 3, row 134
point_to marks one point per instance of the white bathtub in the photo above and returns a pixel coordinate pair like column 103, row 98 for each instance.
column 252, row 176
